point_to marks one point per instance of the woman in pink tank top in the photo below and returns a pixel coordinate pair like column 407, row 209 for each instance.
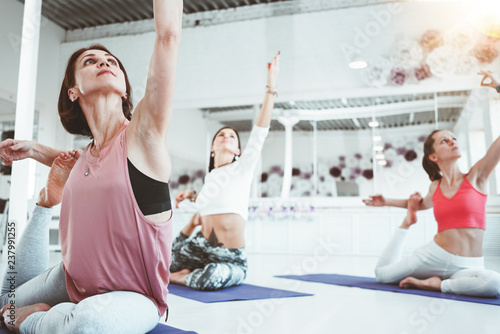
column 453, row 261
column 116, row 255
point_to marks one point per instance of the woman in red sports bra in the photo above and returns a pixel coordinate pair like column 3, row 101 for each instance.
column 453, row 261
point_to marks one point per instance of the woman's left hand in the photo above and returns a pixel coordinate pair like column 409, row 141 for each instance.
column 488, row 75
column 273, row 69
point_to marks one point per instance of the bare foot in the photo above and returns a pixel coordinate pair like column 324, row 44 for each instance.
column 413, row 206
column 51, row 194
column 179, row 277
column 12, row 316
column 432, row 283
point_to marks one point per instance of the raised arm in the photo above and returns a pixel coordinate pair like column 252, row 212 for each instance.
column 154, row 112
column 273, row 68
column 481, row 171
column 13, row 150
column 379, row 200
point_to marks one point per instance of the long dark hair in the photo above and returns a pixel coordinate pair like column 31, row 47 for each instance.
column 211, row 165
column 71, row 114
column 430, row 167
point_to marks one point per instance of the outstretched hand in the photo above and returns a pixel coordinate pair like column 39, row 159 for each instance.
column 182, row 195
column 375, row 200
column 13, row 150
column 493, row 83
column 273, row 69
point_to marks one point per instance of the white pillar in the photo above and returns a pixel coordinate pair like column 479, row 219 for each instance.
column 288, row 123
column 315, row 157
column 25, row 109
column 436, row 112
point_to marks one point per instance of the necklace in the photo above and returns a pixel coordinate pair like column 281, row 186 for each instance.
column 227, row 163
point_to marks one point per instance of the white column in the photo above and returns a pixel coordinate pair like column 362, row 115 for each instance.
column 25, row 109
column 315, row 157
column 436, row 112
column 288, row 123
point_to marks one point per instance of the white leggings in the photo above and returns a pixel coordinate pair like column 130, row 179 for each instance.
column 113, row 312
column 460, row 275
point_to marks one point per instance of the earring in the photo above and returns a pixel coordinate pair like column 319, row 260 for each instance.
column 212, row 154
column 236, row 157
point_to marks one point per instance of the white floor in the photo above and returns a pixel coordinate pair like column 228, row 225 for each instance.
column 332, row 309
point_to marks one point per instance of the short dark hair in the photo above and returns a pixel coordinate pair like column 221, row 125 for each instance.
column 211, row 165
column 71, row 114
column 430, row 167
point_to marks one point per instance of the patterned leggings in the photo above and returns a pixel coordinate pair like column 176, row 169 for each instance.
column 212, row 268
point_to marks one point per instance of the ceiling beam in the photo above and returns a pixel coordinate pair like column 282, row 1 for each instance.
column 392, row 109
column 207, row 16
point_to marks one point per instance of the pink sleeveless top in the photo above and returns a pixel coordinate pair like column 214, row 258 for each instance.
column 107, row 243
column 467, row 208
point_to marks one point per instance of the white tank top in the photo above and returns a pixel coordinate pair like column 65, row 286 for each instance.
column 227, row 189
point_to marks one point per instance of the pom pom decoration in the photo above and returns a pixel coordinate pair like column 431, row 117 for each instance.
column 377, row 72
column 399, row 76
column 485, row 52
column 442, row 61
column 431, row 40
column 407, row 54
column 422, row 72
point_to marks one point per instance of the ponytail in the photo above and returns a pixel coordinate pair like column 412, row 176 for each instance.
column 430, row 167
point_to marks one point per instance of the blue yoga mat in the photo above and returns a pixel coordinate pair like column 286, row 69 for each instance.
column 164, row 329
column 240, row 292
column 371, row 283
column 160, row 329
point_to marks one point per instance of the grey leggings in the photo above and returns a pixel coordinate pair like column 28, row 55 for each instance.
column 461, row 275
column 112, row 312
column 212, row 268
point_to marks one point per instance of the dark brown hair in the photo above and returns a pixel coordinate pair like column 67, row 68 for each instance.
column 71, row 114
column 212, row 158
column 430, row 167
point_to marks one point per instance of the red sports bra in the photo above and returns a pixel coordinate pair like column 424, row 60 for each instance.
column 467, row 208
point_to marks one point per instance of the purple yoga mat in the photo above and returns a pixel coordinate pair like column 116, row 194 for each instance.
column 240, row 292
column 371, row 283
column 159, row 329
column 164, row 329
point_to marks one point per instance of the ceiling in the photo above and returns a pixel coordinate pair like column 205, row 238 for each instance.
column 81, row 14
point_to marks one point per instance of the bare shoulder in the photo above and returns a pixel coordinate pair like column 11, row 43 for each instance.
column 433, row 187
column 427, row 200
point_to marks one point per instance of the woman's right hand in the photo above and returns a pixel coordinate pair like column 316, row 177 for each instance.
column 13, row 150
column 182, row 195
column 375, row 200
column 273, row 69
column 414, row 201
column 488, row 75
